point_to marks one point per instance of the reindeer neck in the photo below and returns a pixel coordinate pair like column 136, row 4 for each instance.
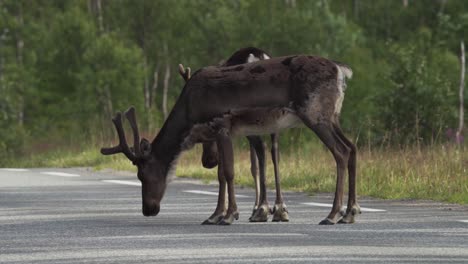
column 167, row 144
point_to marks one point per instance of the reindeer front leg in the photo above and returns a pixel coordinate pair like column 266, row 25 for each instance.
column 220, row 210
column 226, row 164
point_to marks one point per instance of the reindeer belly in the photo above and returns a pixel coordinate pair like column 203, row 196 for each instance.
column 243, row 122
column 262, row 121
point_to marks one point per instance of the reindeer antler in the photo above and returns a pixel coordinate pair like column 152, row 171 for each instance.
column 184, row 72
column 130, row 114
column 123, row 147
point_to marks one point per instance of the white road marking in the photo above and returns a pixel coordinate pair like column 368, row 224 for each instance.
column 211, row 193
column 61, row 174
column 463, row 221
column 363, row 209
column 14, row 169
column 132, row 183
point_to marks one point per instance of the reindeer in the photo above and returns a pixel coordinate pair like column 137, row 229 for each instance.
column 261, row 209
column 262, row 97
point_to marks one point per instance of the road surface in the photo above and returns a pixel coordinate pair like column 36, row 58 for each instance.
column 82, row 216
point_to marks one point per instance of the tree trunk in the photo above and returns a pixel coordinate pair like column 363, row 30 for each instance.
column 461, row 116
column 154, row 88
column 356, row 9
column 19, row 61
column 99, row 16
column 152, row 103
column 147, row 92
column 442, row 6
column 291, row 3
column 108, row 96
column 95, row 7
column 2, row 58
column 167, row 76
column 2, row 62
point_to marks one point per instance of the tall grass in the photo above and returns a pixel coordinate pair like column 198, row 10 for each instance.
column 438, row 172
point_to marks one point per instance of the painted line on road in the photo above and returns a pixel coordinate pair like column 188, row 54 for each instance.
column 14, row 169
column 61, row 174
column 363, row 209
column 463, row 221
column 131, row 183
column 211, row 193
column 135, row 183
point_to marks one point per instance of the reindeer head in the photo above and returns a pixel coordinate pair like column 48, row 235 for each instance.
column 151, row 172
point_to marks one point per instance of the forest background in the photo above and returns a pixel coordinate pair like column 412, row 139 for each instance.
column 66, row 66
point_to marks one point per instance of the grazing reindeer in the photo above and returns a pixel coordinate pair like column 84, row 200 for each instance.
column 249, row 99
column 257, row 150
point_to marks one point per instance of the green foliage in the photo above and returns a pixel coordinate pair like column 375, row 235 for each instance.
column 65, row 67
column 110, row 66
column 12, row 142
column 420, row 101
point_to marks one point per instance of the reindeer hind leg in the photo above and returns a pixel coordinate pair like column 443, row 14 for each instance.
column 340, row 151
column 353, row 207
column 280, row 212
column 254, row 171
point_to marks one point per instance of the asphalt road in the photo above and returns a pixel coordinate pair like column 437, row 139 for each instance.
column 81, row 216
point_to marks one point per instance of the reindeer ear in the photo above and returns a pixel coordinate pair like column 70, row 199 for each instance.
column 145, row 147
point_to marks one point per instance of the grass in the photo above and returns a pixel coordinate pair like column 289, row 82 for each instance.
column 436, row 173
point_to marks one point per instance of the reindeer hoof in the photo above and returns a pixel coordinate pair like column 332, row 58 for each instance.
column 209, row 222
column 280, row 213
column 261, row 215
column 229, row 219
column 348, row 218
column 326, row 221
column 253, row 212
column 214, row 219
column 342, row 212
column 225, row 222
column 355, row 210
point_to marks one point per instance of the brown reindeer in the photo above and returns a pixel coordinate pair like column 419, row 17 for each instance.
column 262, row 97
column 261, row 209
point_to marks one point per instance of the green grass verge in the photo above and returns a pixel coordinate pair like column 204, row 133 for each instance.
column 436, row 173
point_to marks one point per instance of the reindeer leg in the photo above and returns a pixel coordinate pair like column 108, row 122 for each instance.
column 209, row 155
column 340, row 152
column 254, row 171
column 353, row 207
column 261, row 215
column 280, row 212
column 220, row 210
column 226, row 155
